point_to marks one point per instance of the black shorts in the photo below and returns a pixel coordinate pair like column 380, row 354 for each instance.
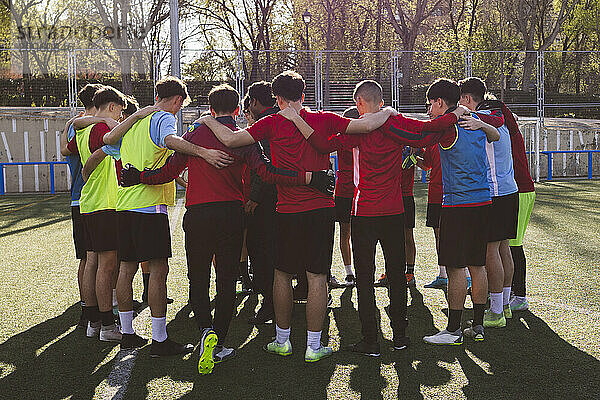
column 343, row 209
column 143, row 236
column 78, row 233
column 463, row 236
column 409, row 212
column 100, row 230
column 503, row 218
column 304, row 241
column 433, row 215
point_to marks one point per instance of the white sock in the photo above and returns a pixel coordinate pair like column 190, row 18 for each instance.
column 114, row 303
column 496, row 303
column 349, row 269
column 467, row 273
column 506, row 295
column 282, row 334
column 126, row 318
column 159, row 329
column 313, row 340
column 443, row 273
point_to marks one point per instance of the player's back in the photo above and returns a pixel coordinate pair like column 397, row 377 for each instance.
column 207, row 184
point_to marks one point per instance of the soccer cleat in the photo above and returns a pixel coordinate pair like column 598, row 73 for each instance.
column 365, row 348
column 438, row 283
column 132, row 341
column 317, row 355
column 169, row 348
column 382, row 281
column 493, row 320
column 281, row 349
column 222, row 353
column 401, row 342
column 334, row 284
column 110, row 333
column 350, row 280
column 93, row 329
column 507, row 312
column 410, row 280
column 208, row 343
column 519, row 304
column 475, row 333
column 445, row 338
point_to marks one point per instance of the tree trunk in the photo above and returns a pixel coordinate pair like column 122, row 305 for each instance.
column 378, row 42
column 529, row 71
column 125, row 61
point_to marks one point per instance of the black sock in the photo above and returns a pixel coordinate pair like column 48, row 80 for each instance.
column 107, row 317
column 454, row 317
column 478, row 310
column 92, row 314
column 410, row 268
column 518, row 283
column 146, row 279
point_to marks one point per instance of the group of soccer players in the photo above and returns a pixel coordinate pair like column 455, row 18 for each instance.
column 124, row 161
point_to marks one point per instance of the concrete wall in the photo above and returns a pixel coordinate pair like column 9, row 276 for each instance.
column 34, row 135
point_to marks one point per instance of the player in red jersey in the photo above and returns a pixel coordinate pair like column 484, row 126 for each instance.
column 378, row 208
column 305, row 220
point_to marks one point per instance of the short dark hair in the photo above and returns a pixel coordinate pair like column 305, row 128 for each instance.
column 288, row 85
column 246, row 102
column 223, row 99
column 473, row 86
column 446, row 90
column 261, row 91
column 172, row 86
column 369, row 90
column 86, row 94
column 108, row 94
column 351, row 112
column 131, row 106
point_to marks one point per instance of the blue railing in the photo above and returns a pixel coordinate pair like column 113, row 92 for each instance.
column 550, row 153
column 50, row 163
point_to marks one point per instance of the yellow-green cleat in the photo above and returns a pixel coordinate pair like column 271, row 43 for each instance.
column 208, row 341
column 507, row 312
column 281, row 349
column 493, row 320
column 317, row 355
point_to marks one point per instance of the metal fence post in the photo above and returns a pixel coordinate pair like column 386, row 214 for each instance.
column 1, row 178
column 319, row 79
column 239, row 74
column 72, row 81
column 468, row 63
column 540, row 111
column 394, row 78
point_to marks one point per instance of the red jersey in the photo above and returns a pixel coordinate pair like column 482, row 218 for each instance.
column 377, row 175
column 408, row 181
column 344, row 187
column 520, row 165
column 290, row 150
column 207, row 184
column 431, row 161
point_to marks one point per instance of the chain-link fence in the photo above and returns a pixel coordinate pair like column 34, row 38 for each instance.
column 556, row 93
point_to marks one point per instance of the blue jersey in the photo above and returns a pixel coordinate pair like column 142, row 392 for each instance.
column 464, row 170
column 75, row 167
column 500, row 172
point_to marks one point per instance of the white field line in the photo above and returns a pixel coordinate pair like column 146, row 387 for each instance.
column 115, row 385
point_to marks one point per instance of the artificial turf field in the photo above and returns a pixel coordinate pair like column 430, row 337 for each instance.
column 549, row 352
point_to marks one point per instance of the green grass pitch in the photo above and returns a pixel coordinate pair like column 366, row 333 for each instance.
column 549, row 352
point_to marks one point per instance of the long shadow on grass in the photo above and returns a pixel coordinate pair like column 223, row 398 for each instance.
column 70, row 366
column 528, row 360
column 253, row 374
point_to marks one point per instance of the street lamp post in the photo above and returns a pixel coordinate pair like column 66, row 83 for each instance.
column 306, row 18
